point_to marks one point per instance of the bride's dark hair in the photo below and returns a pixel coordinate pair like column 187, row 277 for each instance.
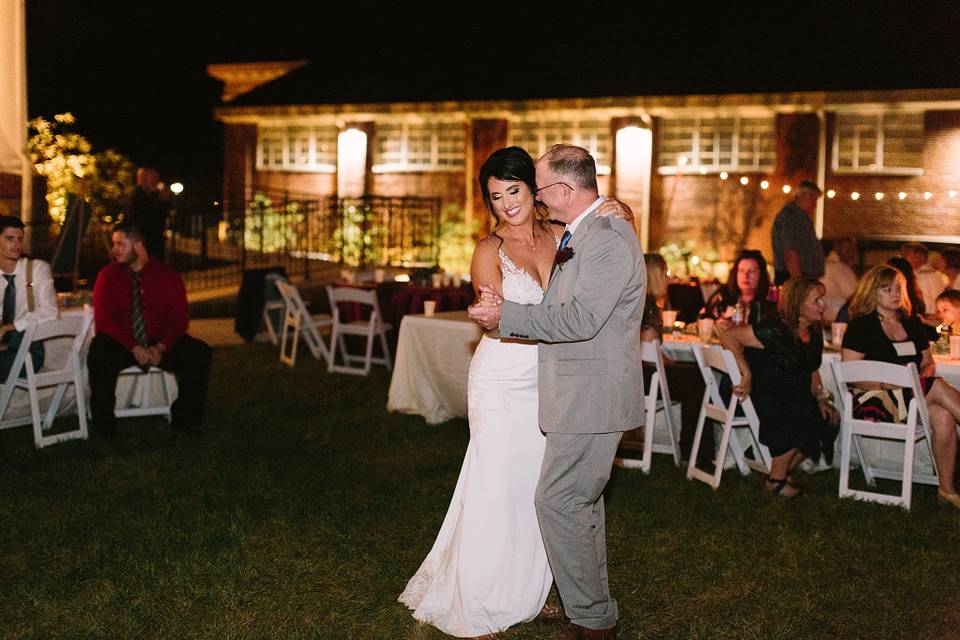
column 509, row 163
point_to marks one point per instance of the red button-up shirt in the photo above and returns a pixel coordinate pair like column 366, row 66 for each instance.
column 162, row 295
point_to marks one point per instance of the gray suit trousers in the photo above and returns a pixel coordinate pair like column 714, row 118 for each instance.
column 569, row 503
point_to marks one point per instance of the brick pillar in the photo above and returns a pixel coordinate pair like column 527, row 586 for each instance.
column 486, row 136
column 239, row 164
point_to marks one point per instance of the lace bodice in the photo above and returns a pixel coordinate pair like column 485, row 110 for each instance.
column 518, row 285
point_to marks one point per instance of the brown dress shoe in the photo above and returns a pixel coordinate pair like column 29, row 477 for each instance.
column 576, row 632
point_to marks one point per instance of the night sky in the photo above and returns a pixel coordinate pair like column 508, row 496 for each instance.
column 134, row 73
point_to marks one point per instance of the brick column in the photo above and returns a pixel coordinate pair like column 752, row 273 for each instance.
column 631, row 173
column 239, row 164
column 486, row 136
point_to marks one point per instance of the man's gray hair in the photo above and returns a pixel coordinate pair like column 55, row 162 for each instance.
column 573, row 163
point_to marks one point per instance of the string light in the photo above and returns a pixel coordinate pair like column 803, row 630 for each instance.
column 744, row 180
column 927, row 195
column 878, row 195
column 724, row 175
column 902, row 195
column 953, row 194
column 703, row 171
column 831, row 193
column 764, row 184
column 854, row 196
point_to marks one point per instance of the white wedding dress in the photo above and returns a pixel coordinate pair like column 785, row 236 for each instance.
column 488, row 569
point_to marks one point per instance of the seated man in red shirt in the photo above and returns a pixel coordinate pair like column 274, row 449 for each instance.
column 141, row 317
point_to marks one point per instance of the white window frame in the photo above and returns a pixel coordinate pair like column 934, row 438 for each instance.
column 572, row 132
column 879, row 166
column 288, row 147
column 456, row 161
column 695, row 164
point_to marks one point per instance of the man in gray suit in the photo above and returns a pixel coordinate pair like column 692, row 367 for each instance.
column 588, row 325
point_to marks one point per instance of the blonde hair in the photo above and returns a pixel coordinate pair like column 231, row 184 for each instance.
column 794, row 294
column 864, row 300
column 656, row 275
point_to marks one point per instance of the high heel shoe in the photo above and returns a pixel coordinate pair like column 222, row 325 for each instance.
column 782, row 487
column 951, row 499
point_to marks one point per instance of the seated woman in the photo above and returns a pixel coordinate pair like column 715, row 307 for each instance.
column 744, row 298
column 652, row 323
column 917, row 306
column 779, row 358
column 882, row 328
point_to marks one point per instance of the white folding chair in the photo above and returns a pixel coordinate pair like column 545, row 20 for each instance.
column 372, row 327
column 74, row 327
column 297, row 321
column 713, row 362
column 272, row 305
column 657, row 402
column 139, row 402
column 853, row 431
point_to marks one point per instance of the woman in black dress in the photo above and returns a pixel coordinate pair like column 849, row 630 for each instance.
column 882, row 327
column 779, row 358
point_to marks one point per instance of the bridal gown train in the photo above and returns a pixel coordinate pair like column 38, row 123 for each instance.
column 488, row 569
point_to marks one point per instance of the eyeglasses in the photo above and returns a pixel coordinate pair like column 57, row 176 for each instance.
column 542, row 189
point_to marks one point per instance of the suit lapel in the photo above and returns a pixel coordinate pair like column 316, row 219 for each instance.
column 582, row 229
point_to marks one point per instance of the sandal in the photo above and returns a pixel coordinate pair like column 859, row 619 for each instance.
column 778, row 487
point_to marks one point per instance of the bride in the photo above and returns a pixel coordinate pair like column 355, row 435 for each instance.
column 488, row 569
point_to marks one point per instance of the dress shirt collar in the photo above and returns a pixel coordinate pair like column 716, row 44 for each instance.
column 572, row 227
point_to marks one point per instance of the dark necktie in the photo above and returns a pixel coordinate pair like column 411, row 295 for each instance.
column 564, row 241
column 9, row 301
column 138, row 331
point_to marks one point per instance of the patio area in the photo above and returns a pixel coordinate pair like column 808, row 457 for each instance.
column 303, row 508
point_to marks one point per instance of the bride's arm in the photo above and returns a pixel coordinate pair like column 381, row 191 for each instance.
column 485, row 267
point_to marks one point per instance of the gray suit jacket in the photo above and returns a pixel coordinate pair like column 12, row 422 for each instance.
column 588, row 325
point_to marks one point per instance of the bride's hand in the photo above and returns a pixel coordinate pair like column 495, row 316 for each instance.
column 489, row 296
column 613, row 207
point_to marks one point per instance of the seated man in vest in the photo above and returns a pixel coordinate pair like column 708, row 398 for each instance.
column 27, row 292
column 141, row 316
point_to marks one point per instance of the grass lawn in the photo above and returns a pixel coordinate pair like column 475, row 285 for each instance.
column 304, row 507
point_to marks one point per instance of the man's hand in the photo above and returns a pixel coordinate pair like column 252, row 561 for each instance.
column 486, row 312
column 156, row 353
column 142, row 356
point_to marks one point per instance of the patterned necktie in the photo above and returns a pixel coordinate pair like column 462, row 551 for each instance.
column 564, row 240
column 138, row 332
column 9, row 301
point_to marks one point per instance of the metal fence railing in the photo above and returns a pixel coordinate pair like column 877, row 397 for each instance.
column 302, row 233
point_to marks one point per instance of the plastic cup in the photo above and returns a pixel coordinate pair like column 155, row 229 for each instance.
column 837, row 329
column 457, row 281
column 379, row 275
column 955, row 347
column 705, row 329
column 668, row 317
column 429, row 307
column 436, row 279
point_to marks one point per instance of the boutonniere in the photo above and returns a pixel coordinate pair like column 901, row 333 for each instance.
column 563, row 255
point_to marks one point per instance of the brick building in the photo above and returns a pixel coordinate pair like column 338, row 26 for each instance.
column 708, row 170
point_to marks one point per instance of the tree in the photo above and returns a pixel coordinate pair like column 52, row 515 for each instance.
column 66, row 159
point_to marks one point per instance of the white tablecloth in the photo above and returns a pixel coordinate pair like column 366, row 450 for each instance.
column 432, row 364
column 887, row 455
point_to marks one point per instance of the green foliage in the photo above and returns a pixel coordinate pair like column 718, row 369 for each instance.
column 357, row 237
column 269, row 229
column 66, row 159
column 456, row 240
column 684, row 260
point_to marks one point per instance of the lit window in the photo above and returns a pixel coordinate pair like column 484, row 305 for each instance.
column 419, row 146
column 538, row 134
column 888, row 142
column 713, row 144
column 309, row 149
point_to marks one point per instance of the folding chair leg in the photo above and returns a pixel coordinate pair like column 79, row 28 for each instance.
column 368, row 355
column 692, row 470
column 845, row 443
column 386, row 351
